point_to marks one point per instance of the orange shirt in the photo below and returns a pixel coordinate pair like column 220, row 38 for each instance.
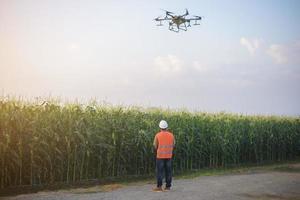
column 164, row 142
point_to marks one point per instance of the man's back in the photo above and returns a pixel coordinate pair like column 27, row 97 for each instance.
column 165, row 144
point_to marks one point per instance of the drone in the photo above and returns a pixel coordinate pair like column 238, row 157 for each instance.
column 178, row 22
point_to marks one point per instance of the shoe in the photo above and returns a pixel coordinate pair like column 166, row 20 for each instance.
column 157, row 189
column 167, row 188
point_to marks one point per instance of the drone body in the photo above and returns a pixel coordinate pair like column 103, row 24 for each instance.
column 178, row 22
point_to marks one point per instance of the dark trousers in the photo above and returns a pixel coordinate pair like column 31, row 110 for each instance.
column 164, row 166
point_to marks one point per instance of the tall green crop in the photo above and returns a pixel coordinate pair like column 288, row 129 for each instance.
column 48, row 143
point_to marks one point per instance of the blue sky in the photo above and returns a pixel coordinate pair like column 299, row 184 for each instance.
column 244, row 58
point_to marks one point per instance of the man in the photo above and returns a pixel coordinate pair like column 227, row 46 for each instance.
column 164, row 144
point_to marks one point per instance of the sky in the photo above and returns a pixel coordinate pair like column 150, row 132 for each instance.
column 243, row 58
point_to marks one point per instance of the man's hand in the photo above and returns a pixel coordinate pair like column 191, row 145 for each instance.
column 154, row 149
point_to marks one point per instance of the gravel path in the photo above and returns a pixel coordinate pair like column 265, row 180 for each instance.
column 263, row 185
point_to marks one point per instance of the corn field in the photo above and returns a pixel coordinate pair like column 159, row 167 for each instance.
column 50, row 143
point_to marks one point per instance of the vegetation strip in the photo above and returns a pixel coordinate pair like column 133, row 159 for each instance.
column 48, row 143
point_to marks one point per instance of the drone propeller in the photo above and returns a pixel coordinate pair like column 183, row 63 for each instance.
column 157, row 18
column 167, row 12
column 199, row 17
column 186, row 12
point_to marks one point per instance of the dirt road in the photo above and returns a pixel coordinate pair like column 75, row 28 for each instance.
column 265, row 185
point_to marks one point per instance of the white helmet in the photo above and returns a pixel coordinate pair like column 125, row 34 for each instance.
column 163, row 124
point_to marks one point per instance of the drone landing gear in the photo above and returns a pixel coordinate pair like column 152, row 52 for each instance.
column 177, row 28
column 160, row 24
column 171, row 28
column 196, row 23
column 184, row 28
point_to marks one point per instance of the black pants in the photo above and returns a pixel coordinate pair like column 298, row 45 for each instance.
column 164, row 166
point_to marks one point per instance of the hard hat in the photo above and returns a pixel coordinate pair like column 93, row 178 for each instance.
column 163, row 124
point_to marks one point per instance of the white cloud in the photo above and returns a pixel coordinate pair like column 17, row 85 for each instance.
column 282, row 54
column 168, row 64
column 252, row 45
column 201, row 67
column 277, row 52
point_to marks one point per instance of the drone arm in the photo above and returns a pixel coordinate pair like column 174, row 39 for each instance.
column 162, row 19
column 195, row 19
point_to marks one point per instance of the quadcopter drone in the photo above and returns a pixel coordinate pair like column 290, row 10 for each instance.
column 178, row 22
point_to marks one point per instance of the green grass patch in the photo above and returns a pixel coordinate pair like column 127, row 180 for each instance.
column 292, row 166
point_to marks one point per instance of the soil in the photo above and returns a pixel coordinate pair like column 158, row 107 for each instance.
column 260, row 185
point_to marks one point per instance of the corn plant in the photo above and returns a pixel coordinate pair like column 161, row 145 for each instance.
column 53, row 142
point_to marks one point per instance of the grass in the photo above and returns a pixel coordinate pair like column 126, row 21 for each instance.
column 292, row 166
column 290, row 169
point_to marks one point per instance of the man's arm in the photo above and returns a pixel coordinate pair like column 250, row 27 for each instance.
column 174, row 142
column 155, row 143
